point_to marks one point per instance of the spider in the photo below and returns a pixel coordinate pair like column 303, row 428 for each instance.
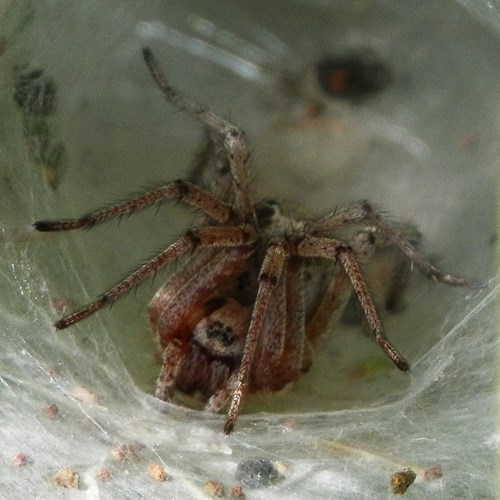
column 257, row 286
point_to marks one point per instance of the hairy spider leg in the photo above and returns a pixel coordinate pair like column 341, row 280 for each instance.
column 270, row 272
column 279, row 355
column 329, row 248
column 271, row 342
column 364, row 213
column 186, row 192
column 339, row 289
column 391, row 279
column 205, row 237
column 212, row 156
column 283, row 351
column 231, row 137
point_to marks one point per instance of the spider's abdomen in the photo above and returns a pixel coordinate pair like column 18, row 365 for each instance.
column 183, row 300
column 194, row 315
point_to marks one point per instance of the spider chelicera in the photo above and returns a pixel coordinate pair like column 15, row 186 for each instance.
column 257, row 286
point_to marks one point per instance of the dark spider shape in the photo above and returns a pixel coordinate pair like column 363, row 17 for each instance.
column 353, row 76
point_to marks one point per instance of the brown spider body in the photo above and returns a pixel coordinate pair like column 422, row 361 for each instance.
column 202, row 314
column 257, row 286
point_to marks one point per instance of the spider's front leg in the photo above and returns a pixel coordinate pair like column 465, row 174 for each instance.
column 283, row 351
column 385, row 268
column 329, row 248
column 229, row 136
column 364, row 213
column 191, row 195
column 183, row 191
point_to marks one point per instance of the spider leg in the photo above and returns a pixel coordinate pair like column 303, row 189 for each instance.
column 335, row 297
column 296, row 344
column 231, row 137
column 270, row 272
column 219, row 399
column 173, row 356
column 271, row 343
column 329, row 248
column 205, row 237
column 283, row 350
column 191, row 194
column 339, row 290
column 213, row 157
column 364, row 213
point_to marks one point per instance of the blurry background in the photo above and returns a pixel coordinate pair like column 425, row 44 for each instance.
column 424, row 149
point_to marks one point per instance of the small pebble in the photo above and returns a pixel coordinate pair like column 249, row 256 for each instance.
column 255, row 472
column 20, row 459
column 433, row 473
column 103, row 474
column 66, row 478
column 237, row 492
column 402, row 480
column 51, row 411
column 214, row 488
column 157, row 472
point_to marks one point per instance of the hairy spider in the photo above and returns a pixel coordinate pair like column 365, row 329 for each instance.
column 257, row 286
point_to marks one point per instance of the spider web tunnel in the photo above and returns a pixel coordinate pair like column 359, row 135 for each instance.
column 425, row 150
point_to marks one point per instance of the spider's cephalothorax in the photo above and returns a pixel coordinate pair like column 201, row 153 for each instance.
column 257, row 286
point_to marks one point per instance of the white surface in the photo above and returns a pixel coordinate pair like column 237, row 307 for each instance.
column 403, row 150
